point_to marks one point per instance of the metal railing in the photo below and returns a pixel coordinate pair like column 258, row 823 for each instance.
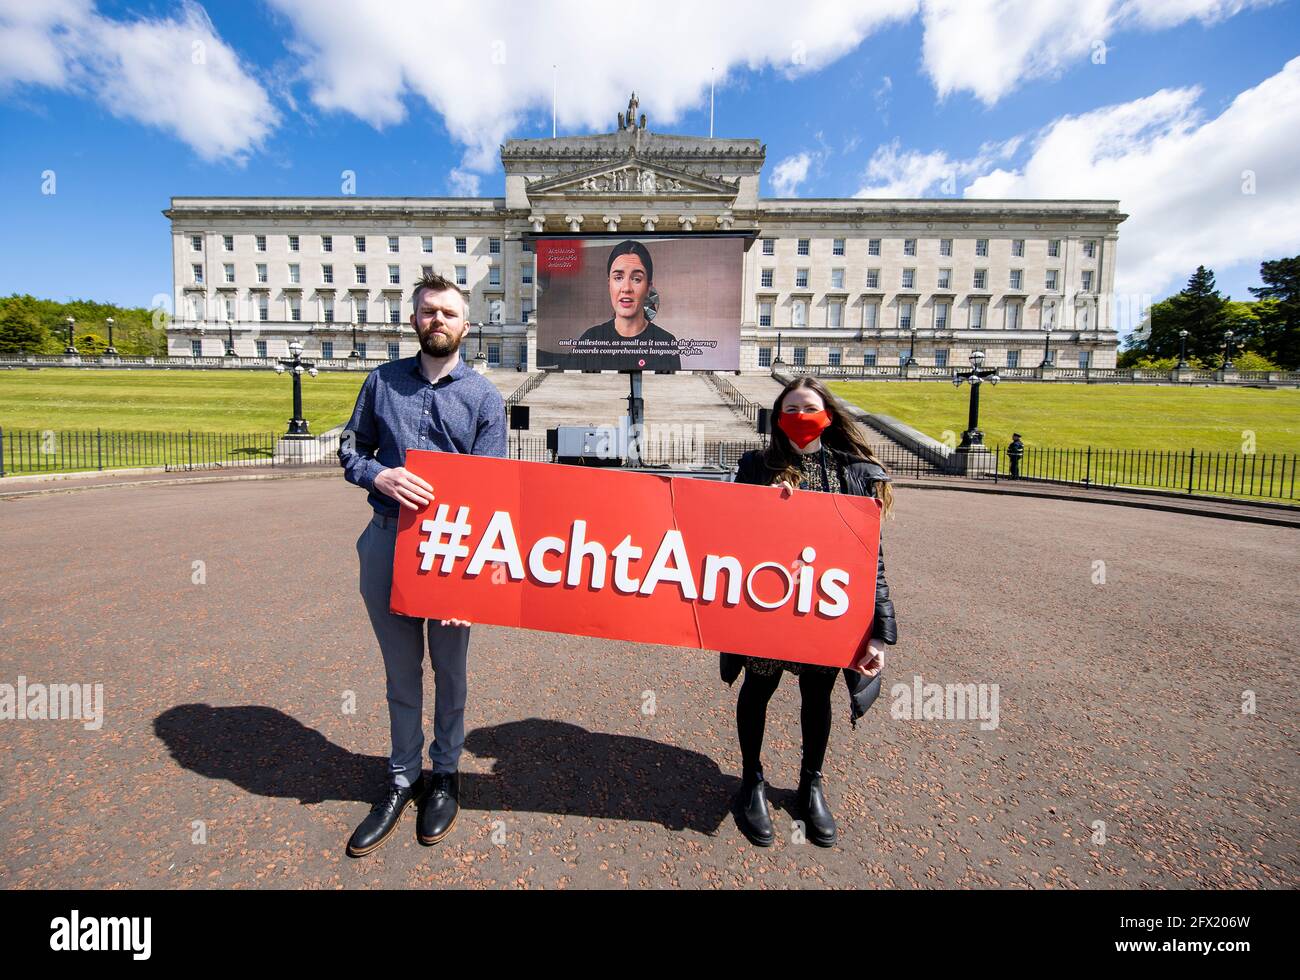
column 733, row 397
column 520, row 393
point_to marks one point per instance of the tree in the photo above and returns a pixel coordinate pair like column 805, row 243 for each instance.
column 21, row 331
column 1279, row 311
column 1198, row 309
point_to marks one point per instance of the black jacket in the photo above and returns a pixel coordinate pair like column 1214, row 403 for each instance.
column 860, row 478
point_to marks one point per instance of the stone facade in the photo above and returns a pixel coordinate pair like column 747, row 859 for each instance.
column 825, row 281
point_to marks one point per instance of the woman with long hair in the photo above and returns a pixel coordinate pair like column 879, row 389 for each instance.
column 815, row 445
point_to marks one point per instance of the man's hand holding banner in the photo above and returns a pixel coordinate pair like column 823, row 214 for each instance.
column 632, row 556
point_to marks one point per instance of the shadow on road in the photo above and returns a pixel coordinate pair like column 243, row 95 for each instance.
column 541, row 766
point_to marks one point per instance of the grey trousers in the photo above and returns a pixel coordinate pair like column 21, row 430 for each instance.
column 401, row 640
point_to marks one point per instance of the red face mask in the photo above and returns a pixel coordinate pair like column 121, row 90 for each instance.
column 803, row 427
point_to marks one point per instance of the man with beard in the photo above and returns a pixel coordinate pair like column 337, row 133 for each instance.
column 436, row 401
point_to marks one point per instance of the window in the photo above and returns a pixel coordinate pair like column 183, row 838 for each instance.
column 394, row 350
column 196, row 243
column 765, row 357
column 1013, row 358
column 873, row 278
column 260, row 347
column 229, row 303
column 1083, row 318
column 1013, row 316
column 1054, row 248
column 261, row 272
column 909, row 279
column 764, row 314
column 835, row 315
column 528, row 244
column 902, row 357
column 976, row 316
column 426, row 271
column 765, row 279
column 263, row 309
column 394, row 275
column 941, row 316
column 295, row 276
column 461, row 246
column 801, row 278
column 462, row 275
column 228, row 271
column 905, row 316
column 981, row 279
column 496, row 310
column 260, row 243
column 1049, row 316
column 494, row 246
column 360, row 271
column 833, row 356
column 837, row 246
column 361, row 349
column 1083, row 359
column 803, row 246
column 769, row 246
column 327, row 274
column 526, row 275
column 799, row 313
column 837, row 279
column 870, row 316
column 196, row 348
column 197, row 307
column 359, row 242
column 981, row 246
column 527, row 311
column 868, row 358
column 1087, row 280
column 227, row 243
column 392, row 243
column 801, row 357
column 941, row 358
column 327, row 349
column 293, row 243
column 909, row 246
column 327, row 310
column 327, row 243
column 494, row 275
column 295, row 309
column 945, row 246
column 426, row 243
column 362, row 311
column 494, row 353
column 1018, row 248
column 394, row 310
column 1017, row 278
column 944, row 280
column 873, row 246
column 1089, row 249
column 1050, row 284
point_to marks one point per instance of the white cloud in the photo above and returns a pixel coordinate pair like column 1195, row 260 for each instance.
column 893, row 172
column 485, row 66
column 1179, row 177
column 174, row 73
column 463, row 183
column 790, row 173
column 990, row 47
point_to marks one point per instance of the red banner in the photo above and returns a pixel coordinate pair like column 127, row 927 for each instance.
column 632, row 556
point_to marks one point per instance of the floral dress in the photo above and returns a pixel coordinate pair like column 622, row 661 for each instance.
column 812, row 464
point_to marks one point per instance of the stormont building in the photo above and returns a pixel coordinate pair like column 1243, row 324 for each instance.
column 851, row 282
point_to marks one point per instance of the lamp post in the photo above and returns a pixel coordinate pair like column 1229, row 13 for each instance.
column 911, row 352
column 297, row 366
column 976, row 376
column 778, row 346
column 71, row 349
column 1182, row 349
column 1227, row 351
column 356, row 353
column 112, row 351
column 230, row 337
column 1047, row 348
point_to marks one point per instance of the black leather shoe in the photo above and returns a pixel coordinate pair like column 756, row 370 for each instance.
column 384, row 817
column 751, row 810
column 439, row 808
column 811, row 807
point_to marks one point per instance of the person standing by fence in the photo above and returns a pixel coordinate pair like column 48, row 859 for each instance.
column 1015, row 452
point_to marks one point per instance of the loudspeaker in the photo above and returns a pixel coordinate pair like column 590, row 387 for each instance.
column 764, row 421
column 518, row 417
column 552, row 440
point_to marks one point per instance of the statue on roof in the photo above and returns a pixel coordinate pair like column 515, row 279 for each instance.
column 629, row 120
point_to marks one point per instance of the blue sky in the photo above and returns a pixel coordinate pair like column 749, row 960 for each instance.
column 1165, row 104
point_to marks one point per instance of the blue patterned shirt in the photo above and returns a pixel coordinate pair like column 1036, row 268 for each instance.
column 398, row 409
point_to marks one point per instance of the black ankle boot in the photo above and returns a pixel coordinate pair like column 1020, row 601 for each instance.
column 384, row 817
column 811, row 807
column 751, row 809
column 439, row 809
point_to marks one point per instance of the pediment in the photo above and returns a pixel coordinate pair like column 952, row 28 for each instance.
column 631, row 177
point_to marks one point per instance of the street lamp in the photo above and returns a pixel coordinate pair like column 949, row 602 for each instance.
column 1227, row 351
column 297, row 366
column 911, row 354
column 1047, row 348
column 71, row 349
column 976, row 376
column 1182, row 348
column 230, row 337
column 112, row 351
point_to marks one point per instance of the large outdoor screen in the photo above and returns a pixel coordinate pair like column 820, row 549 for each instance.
column 651, row 303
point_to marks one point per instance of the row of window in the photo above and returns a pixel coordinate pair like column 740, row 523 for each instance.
column 803, row 246
column 292, row 309
column 360, row 275
column 835, row 357
column 943, row 279
column 943, row 318
column 358, row 243
column 393, row 350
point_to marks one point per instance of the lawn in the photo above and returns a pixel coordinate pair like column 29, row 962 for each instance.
column 1063, row 415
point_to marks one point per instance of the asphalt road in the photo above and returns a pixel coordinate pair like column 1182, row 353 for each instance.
column 227, row 757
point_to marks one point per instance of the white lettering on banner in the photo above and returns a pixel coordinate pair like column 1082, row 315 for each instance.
column 670, row 565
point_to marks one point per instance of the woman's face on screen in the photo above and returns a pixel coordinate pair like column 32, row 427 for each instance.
column 628, row 286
